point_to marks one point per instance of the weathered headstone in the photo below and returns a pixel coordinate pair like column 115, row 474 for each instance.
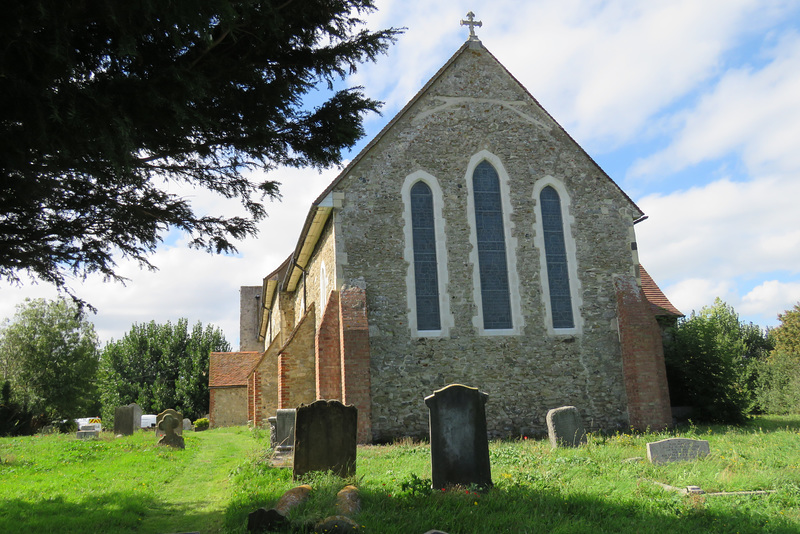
column 677, row 450
column 273, row 431
column 173, row 413
column 565, row 427
column 87, row 434
column 275, row 518
column 127, row 419
column 459, row 441
column 170, row 425
column 187, row 423
column 284, row 429
column 325, row 438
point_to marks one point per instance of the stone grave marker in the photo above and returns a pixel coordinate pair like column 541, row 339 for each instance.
column 677, row 450
column 284, row 429
column 173, row 413
column 459, row 441
column 127, row 419
column 170, row 425
column 187, row 423
column 87, row 434
column 565, row 427
column 325, row 438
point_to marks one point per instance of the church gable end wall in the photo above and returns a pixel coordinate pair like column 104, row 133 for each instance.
column 475, row 107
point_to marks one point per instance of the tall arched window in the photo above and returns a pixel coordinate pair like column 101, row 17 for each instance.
column 425, row 265
column 491, row 240
column 556, row 258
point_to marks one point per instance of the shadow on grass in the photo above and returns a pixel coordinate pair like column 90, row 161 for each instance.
column 520, row 510
column 106, row 513
column 525, row 510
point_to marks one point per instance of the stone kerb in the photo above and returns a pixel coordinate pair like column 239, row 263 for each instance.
column 127, row 419
column 459, row 440
column 325, row 438
column 565, row 427
column 677, row 450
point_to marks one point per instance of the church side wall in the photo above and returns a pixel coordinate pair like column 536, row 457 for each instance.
column 476, row 107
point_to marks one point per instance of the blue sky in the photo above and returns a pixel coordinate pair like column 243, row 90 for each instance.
column 691, row 106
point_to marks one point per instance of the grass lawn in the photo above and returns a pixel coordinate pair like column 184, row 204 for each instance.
column 59, row 484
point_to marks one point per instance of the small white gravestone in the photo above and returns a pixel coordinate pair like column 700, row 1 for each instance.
column 677, row 450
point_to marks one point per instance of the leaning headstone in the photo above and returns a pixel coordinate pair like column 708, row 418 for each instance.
column 459, row 441
column 325, row 438
column 173, row 413
column 565, row 427
column 284, row 429
column 127, row 419
column 170, row 425
column 677, row 450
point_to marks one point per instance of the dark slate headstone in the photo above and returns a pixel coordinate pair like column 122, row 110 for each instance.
column 565, row 427
column 127, row 419
column 284, row 429
column 325, row 438
column 459, row 442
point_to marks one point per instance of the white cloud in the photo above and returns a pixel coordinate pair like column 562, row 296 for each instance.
column 752, row 112
column 770, row 298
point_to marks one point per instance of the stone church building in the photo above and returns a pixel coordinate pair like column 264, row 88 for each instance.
column 472, row 241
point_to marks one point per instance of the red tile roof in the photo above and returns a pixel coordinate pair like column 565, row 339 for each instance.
column 230, row 368
column 659, row 303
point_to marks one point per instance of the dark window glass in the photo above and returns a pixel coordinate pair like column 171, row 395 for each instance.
column 556, row 255
column 426, row 278
column 491, row 248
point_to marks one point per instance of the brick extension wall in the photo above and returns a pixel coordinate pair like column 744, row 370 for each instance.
column 355, row 353
column 329, row 358
column 642, row 358
column 297, row 365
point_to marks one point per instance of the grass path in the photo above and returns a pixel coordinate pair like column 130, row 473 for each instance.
column 59, row 484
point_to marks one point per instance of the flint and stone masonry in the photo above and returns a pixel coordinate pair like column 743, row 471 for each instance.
column 336, row 320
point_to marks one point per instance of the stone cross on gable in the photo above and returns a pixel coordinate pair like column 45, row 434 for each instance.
column 471, row 22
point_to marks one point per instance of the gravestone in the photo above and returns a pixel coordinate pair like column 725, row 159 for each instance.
column 187, row 423
column 173, row 413
column 677, row 450
column 273, row 431
column 127, row 419
column 565, row 427
column 170, row 425
column 87, row 434
column 459, row 441
column 284, row 429
column 325, row 438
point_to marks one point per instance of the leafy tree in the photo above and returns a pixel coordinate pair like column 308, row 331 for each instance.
column 51, row 356
column 160, row 366
column 780, row 374
column 787, row 334
column 105, row 103
column 712, row 363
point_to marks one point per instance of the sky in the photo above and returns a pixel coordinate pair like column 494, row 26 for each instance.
column 691, row 106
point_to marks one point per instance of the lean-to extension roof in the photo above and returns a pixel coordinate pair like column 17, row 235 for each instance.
column 229, row 369
column 659, row 303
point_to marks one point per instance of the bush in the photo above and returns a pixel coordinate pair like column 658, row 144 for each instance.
column 15, row 419
column 201, row 424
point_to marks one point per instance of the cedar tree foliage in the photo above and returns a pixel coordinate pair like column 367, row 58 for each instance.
column 105, row 103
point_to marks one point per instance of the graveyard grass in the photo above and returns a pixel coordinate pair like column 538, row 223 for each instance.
column 59, row 484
